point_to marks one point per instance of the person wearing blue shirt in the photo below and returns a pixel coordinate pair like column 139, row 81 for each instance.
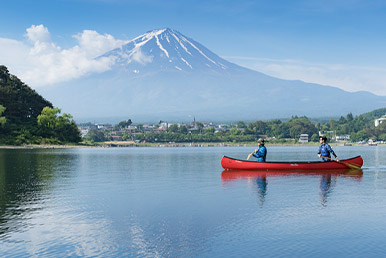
column 325, row 150
column 259, row 153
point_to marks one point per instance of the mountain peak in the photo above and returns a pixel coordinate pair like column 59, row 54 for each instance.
column 168, row 50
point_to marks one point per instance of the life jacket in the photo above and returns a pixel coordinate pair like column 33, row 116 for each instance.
column 324, row 150
column 261, row 153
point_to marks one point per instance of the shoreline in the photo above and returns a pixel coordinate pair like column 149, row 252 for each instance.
column 169, row 145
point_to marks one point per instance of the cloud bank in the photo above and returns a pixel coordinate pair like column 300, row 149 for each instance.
column 40, row 62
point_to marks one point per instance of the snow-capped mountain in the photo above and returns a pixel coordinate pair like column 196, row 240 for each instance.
column 164, row 75
column 168, row 50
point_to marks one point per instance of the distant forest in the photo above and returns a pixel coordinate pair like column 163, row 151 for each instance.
column 27, row 118
column 359, row 128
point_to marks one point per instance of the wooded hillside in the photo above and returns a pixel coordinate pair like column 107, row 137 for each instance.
column 20, row 107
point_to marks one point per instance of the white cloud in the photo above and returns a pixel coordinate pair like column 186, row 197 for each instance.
column 38, row 33
column 95, row 44
column 45, row 63
column 12, row 53
column 347, row 77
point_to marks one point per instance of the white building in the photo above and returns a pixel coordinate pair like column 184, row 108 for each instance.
column 303, row 137
column 379, row 120
column 339, row 138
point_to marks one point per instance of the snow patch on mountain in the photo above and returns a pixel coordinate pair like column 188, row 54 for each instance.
column 168, row 50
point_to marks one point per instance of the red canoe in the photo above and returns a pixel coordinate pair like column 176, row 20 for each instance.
column 237, row 164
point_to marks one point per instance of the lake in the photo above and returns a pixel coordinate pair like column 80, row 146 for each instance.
column 178, row 202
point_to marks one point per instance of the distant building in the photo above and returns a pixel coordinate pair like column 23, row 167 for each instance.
column 104, row 126
column 324, row 133
column 130, row 129
column 159, row 130
column 379, row 120
column 84, row 131
column 164, row 124
column 116, row 138
column 147, row 128
column 194, row 124
column 339, row 138
column 371, row 142
column 303, row 137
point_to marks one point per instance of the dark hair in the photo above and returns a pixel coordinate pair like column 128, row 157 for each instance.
column 324, row 138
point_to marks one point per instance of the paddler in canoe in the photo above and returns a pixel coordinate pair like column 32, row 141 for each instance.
column 259, row 153
column 325, row 150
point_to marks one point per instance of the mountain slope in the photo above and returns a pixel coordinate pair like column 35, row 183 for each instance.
column 165, row 75
column 168, row 50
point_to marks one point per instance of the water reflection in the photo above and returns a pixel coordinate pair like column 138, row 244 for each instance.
column 326, row 185
column 261, row 182
column 26, row 179
column 327, row 179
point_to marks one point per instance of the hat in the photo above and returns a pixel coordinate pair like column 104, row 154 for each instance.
column 261, row 140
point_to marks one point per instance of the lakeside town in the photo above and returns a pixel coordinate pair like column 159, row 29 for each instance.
column 128, row 134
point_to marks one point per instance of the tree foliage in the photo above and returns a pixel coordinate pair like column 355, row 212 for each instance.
column 96, row 136
column 3, row 120
column 62, row 127
column 22, row 103
column 124, row 124
column 19, row 115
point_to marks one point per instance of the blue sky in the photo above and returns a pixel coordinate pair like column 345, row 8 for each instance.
column 338, row 43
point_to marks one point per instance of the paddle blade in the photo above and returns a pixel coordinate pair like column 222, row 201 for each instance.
column 351, row 165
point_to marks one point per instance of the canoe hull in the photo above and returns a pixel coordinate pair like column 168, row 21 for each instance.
column 237, row 164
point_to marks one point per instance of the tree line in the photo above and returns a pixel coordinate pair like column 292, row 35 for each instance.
column 359, row 128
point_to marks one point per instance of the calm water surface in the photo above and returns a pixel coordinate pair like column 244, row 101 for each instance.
column 178, row 202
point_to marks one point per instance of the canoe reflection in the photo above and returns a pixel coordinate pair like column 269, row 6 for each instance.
column 327, row 179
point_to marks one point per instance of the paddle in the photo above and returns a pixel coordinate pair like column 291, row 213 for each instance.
column 249, row 156
column 350, row 165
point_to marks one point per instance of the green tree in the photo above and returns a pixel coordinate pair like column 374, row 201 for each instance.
column 300, row 125
column 234, row 131
column 183, row 129
column 95, row 135
column 359, row 136
column 173, row 128
column 314, row 138
column 124, row 123
column 19, row 119
column 210, row 130
column 200, row 126
column 61, row 127
column 48, row 118
column 382, row 137
column 257, row 128
column 22, row 103
column 349, row 117
column 241, row 124
column 3, row 120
